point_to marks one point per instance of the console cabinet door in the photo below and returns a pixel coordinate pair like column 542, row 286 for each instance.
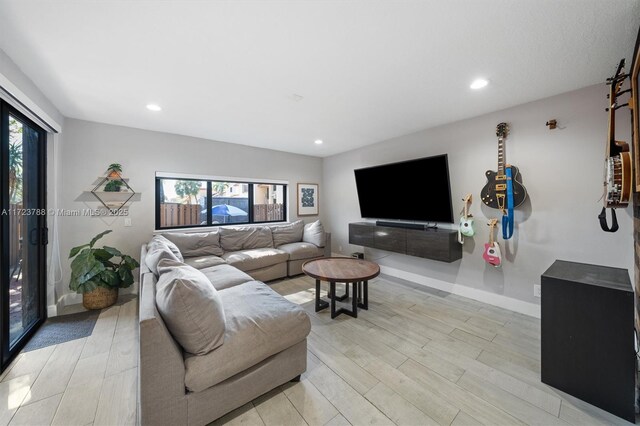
column 433, row 244
column 391, row 239
column 361, row 235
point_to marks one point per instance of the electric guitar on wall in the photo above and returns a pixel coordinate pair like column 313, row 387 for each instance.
column 617, row 163
column 494, row 193
column 491, row 252
column 466, row 220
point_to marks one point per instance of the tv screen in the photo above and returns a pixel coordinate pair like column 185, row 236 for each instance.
column 414, row 190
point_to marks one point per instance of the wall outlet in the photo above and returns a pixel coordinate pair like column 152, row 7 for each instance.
column 339, row 249
column 537, row 290
column 127, row 221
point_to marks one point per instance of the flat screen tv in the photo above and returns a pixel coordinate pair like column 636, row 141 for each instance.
column 414, row 190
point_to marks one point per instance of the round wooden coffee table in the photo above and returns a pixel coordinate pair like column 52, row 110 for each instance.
column 348, row 270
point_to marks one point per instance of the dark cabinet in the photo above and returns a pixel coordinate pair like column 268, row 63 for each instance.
column 360, row 235
column 435, row 244
column 588, row 335
column 390, row 239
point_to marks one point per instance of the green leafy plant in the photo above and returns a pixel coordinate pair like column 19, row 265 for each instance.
column 100, row 267
column 219, row 187
column 114, row 170
column 113, row 186
column 15, row 161
column 188, row 189
column 115, row 167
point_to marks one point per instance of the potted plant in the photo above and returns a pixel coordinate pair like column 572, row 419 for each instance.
column 113, row 186
column 114, row 170
column 98, row 273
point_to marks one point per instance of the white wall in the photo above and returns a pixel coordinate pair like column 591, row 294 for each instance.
column 17, row 78
column 90, row 147
column 561, row 169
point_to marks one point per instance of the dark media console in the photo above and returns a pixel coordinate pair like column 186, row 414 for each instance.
column 435, row 244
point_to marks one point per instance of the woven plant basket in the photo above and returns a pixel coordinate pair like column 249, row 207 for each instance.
column 100, row 298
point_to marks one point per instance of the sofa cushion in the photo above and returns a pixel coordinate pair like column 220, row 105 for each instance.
column 201, row 262
column 285, row 234
column 299, row 251
column 190, row 306
column 260, row 323
column 248, row 260
column 174, row 248
column 225, row 276
column 157, row 249
column 314, row 233
column 196, row 243
column 245, row 237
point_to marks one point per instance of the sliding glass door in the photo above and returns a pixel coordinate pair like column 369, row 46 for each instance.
column 23, row 232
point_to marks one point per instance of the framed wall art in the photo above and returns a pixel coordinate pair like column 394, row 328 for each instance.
column 308, row 199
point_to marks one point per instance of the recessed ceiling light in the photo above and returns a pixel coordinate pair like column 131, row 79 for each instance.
column 318, row 141
column 154, row 107
column 479, row 83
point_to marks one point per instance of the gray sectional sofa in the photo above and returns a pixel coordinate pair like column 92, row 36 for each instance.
column 264, row 252
column 212, row 337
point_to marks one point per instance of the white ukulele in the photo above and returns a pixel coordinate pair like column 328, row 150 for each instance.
column 466, row 220
column 491, row 252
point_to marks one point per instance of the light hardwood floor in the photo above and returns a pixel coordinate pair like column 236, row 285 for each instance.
column 417, row 357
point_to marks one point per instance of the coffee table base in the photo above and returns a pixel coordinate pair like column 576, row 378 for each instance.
column 360, row 298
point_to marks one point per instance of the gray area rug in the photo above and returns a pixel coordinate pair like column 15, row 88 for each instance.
column 62, row 329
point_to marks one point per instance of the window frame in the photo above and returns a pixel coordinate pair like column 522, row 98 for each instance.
column 209, row 200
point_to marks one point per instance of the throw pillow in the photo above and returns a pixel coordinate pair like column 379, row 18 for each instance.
column 290, row 233
column 174, row 248
column 190, row 306
column 314, row 234
column 156, row 251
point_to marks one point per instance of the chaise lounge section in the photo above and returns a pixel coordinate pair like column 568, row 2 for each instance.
column 264, row 341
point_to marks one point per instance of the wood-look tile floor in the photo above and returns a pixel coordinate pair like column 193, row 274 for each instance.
column 88, row 381
column 416, row 357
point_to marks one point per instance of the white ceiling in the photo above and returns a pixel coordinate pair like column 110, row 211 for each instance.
column 367, row 70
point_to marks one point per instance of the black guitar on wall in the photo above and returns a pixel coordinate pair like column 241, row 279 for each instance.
column 494, row 193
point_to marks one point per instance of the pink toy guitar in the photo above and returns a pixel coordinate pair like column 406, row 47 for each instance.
column 491, row 252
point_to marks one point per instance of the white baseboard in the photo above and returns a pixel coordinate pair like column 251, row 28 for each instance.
column 498, row 300
column 69, row 299
column 52, row 311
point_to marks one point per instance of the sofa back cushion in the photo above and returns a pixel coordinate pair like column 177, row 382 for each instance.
column 289, row 233
column 314, row 233
column 160, row 248
column 245, row 237
column 190, row 306
column 197, row 243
